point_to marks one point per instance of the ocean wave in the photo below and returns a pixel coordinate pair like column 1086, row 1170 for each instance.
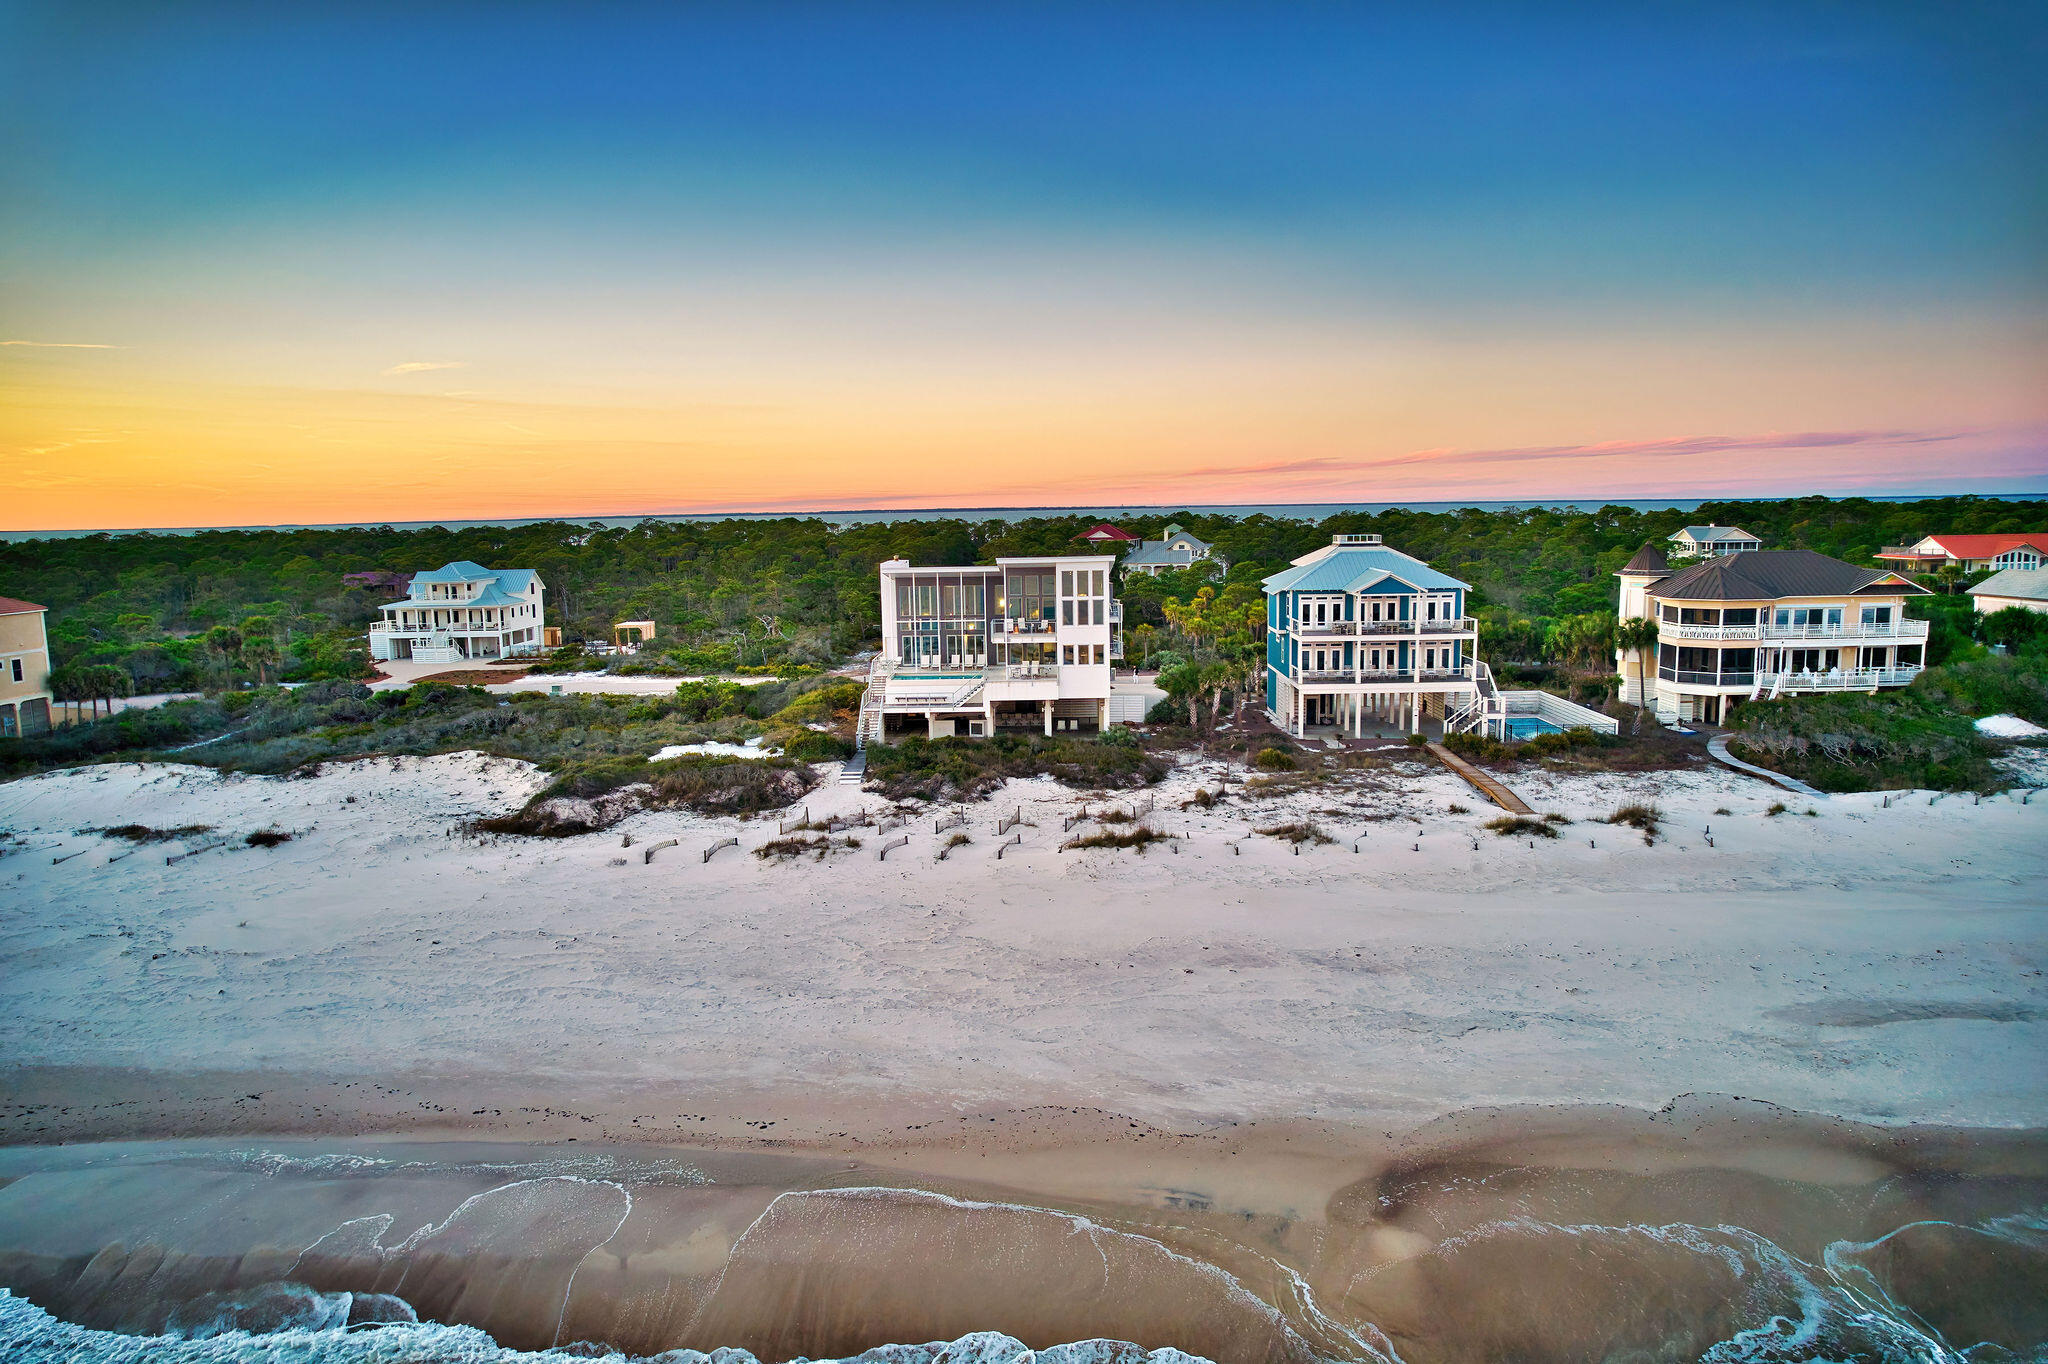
column 293, row 1324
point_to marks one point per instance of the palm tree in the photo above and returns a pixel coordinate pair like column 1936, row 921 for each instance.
column 259, row 646
column 225, row 641
column 1638, row 635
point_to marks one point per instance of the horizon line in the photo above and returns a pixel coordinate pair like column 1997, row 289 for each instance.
column 1083, row 507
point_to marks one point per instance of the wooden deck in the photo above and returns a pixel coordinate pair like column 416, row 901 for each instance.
column 1485, row 785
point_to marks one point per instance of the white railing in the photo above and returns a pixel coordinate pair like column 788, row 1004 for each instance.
column 1836, row 679
column 1893, row 630
column 1448, row 625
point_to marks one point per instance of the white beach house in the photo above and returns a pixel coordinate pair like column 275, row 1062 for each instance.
column 1707, row 542
column 1764, row 623
column 1023, row 643
column 463, row 611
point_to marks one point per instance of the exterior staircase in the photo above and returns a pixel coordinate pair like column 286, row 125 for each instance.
column 1487, row 704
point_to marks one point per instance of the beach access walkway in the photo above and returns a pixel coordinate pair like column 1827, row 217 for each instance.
column 1485, row 785
column 1718, row 746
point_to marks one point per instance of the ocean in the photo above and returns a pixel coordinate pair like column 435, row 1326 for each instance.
column 1302, row 511
column 206, row 1254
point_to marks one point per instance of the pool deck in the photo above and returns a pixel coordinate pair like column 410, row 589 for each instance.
column 1485, row 785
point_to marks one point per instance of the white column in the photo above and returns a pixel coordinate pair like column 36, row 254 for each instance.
column 1047, row 707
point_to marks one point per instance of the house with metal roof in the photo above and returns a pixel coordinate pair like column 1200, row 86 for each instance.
column 1358, row 633
column 2023, row 587
column 1175, row 548
column 463, row 611
column 1702, row 542
column 1766, row 623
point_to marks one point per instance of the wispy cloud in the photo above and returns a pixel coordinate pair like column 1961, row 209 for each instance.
column 417, row 366
column 1450, row 458
column 63, row 345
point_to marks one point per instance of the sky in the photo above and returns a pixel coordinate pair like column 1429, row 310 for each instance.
column 309, row 263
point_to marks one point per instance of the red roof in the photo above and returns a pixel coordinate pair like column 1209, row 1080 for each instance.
column 1102, row 530
column 9, row 606
column 1989, row 546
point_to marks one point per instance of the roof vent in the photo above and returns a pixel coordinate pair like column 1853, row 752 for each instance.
column 1371, row 540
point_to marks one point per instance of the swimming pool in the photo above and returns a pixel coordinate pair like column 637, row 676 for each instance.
column 1528, row 726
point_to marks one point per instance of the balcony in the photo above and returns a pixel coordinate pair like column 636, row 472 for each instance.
column 1461, row 625
column 1116, row 612
column 1836, row 679
column 1694, row 677
column 1018, row 625
column 1900, row 631
column 1392, row 676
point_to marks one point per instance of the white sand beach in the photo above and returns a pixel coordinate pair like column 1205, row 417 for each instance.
column 380, row 972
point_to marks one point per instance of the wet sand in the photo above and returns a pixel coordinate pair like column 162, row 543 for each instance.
column 1526, row 1234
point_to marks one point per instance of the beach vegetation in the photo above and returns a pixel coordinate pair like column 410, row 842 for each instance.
column 1646, row 818
column 268, row 838
column 1521, row 826
column 959, row 769
column 1139, row 837
column 1298, row 831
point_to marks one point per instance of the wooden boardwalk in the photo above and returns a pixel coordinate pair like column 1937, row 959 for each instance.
column 1486, row 786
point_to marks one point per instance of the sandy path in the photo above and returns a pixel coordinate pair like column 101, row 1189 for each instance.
column 1867, row 962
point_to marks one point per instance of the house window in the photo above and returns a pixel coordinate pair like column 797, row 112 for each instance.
column 1067, row 582
column 1067, row 611
column 14, row 665
column 1068, row 654
column 1098, row 582
column 1877, row 615
column 1099, row 650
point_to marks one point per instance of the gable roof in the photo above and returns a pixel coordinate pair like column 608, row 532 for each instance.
column 461, row 571
column 1147, row 553
column 1648, row 559
column 1102, row 530
column 1703, row 534
column 1767, row 574
column 14, row 606
column 1353, row 568
column 2028, row 584
column 1178, row 532
column 1990, row 546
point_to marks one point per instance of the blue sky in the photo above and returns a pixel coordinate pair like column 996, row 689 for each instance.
column 938, row 229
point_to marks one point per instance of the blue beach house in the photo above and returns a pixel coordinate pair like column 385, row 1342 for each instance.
column 1357, row 630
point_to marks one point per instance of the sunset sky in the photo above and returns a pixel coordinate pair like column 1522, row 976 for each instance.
column 468, row 260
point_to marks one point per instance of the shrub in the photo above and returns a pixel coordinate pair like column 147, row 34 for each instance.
column 1647, row 818
column 969, row 769
column 1300, row 831
column 143, row 833
column 1518, row 826
column 815, row 746
column 267, row 838
column 1458, row 809
column 959, row 839
column 1418, row 740
column 1776, row 809
column 1138, row 838
column 1274, row 760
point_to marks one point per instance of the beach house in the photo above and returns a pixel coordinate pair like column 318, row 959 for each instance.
column 1175, row 548
column 1970, row 553
column 1358, row 631
column 2026, row 588
column 24, row 669
column 974, row 649
column 1706, row 542
column 1763, row 623
column 1103, row 535
column 462, row 611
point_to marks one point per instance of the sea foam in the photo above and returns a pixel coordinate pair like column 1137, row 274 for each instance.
column 298, row 1325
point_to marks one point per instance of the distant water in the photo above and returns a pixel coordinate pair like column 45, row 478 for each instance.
column 1290, row 511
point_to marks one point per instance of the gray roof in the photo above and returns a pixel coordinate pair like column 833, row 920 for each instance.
column 1702, row 534
column 1147, row 553
column 2028, row 584
column 1648, row 559
column 1768, row 574
column 1356, row 568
